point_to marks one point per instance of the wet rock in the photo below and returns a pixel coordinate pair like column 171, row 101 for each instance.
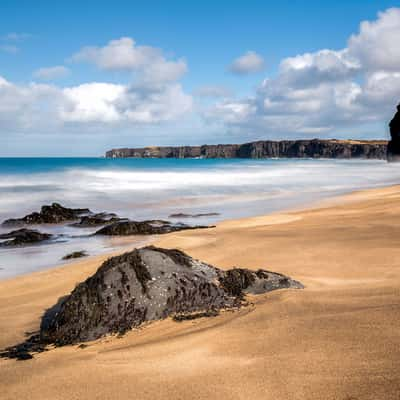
column 149, row 284
column 152, row 227
column 94, row 220
column 183, row 215
column 393, row 150
column 53, row 214
column 75, row 254
column 23, row 237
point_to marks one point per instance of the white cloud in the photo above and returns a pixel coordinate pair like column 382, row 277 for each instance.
column 315, row 68
column 141, row 104
column 376, row 46
column 50, row 73
column 153, row 97
column 328, row 90
column 43, row 107
column 248, row 63
column 123, row 54
column 91, row 102
column 28, row 106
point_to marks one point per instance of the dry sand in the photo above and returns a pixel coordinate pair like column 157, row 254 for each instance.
column 337, row 339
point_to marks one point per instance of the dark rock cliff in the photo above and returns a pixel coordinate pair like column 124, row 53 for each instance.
column 314, row 148
column 393, row 150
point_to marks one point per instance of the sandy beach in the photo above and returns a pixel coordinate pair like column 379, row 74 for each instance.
column 338, row 339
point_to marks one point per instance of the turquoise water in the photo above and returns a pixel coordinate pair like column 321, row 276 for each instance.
column 24, row 165
column 155, row 188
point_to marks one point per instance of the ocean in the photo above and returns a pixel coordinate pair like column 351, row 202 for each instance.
column 155, row 188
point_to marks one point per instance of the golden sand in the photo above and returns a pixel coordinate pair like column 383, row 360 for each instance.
column 337, row 339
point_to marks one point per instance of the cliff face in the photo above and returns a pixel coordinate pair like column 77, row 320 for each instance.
column 393, row 150
column 315, row 148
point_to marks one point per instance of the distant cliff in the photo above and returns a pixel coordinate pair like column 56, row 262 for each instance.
column 315, row 148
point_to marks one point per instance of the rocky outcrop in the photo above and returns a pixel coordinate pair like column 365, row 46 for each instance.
column 53, row 214
column 393, row 150
column 183, row 215
column 315, row 148
column 152, row 227
column 75, row 254
column 143, row 285
column 99, row 219
column 149, row 284
column 23, row 237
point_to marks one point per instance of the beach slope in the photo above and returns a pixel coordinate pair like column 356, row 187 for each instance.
column 336, row 339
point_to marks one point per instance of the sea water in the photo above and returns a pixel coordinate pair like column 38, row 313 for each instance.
column 155, row 188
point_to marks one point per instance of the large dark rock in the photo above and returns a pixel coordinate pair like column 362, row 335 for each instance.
column 53, row 214
column 393, row 151
column 22, row 237
column 152, row 227
column 149, row 284
column 143, row 285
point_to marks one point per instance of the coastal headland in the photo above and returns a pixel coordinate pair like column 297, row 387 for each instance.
column 336, row 339
column 314, row 148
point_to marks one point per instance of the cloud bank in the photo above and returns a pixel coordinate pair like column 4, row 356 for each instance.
column 154, row 96
column 313, row 94
column 318, row 93
column 125, row 55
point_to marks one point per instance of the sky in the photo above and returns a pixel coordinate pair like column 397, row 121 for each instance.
column 80, row 77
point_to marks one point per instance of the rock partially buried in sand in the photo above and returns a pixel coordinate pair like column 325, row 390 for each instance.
column 144, row 285
column 152, row 227
column 23, row 237
column 149, row 284
column 53, row 214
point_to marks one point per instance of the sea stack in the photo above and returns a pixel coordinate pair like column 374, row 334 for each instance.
column 393, row 150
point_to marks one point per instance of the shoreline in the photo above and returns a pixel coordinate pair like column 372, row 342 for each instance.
column 129, row 241
column 334, row 340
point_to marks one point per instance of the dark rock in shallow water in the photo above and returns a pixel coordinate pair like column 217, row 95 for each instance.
column 152, row 227
column 183, row 215
column 150, row 284
column 23, row 237
column 75, row 254
column 393, row 150
column 53, row 214
column 94, row 220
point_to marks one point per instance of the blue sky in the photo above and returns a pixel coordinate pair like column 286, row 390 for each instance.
column 175, row 53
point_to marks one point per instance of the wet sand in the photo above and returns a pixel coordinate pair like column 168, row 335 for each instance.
column 337, row 339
